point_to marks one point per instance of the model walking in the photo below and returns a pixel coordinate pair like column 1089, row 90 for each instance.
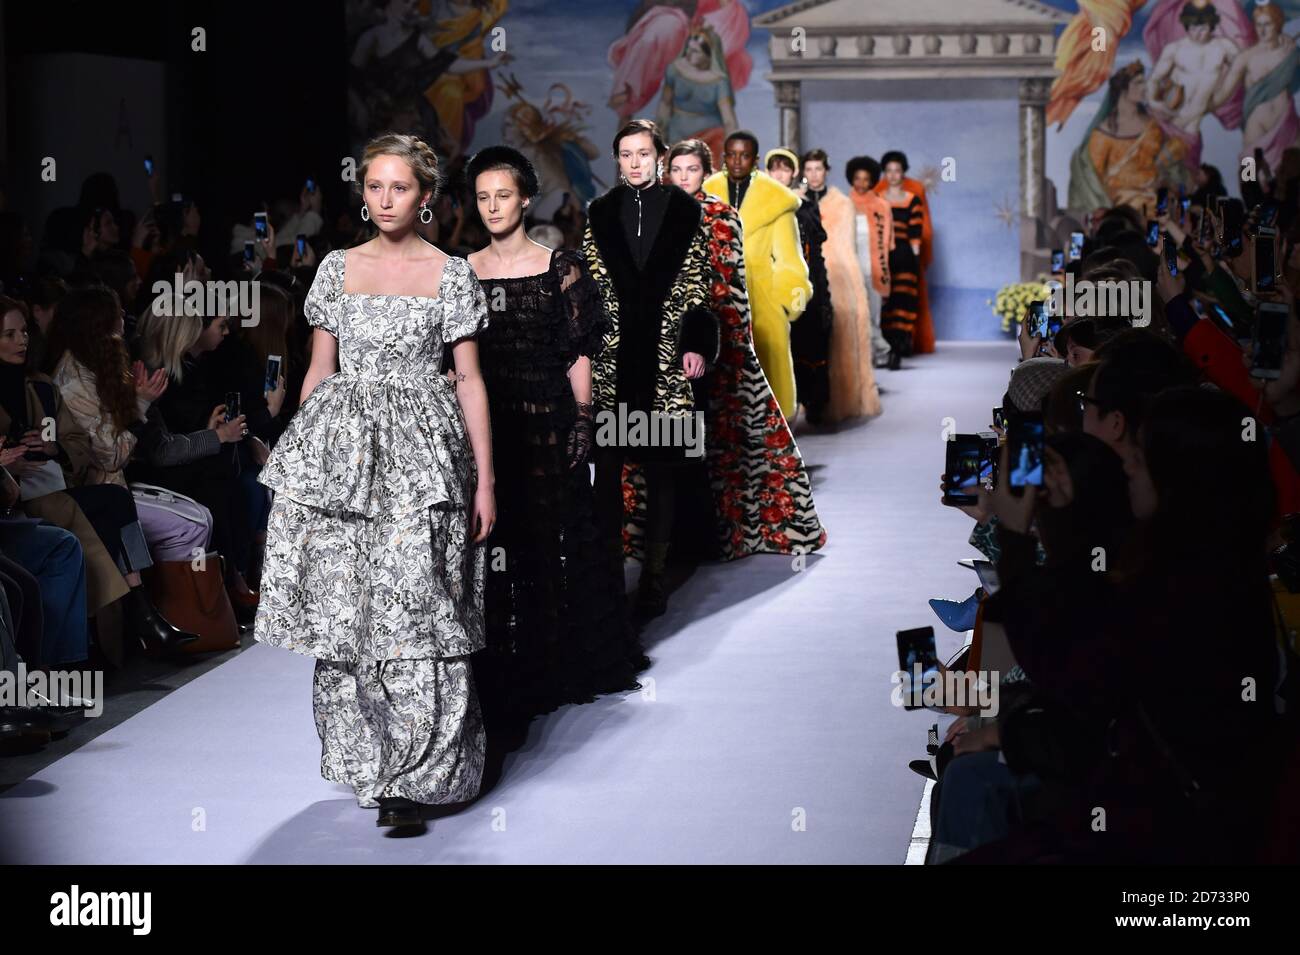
column 384, row 490
column 557, row 623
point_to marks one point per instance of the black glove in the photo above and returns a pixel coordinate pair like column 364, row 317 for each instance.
column 582, row 436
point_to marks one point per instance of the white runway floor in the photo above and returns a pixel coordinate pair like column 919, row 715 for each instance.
column 765, row 732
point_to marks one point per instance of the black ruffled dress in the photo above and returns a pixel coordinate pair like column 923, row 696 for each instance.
column 557, row 626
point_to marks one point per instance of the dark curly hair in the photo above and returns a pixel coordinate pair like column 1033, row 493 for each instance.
column 894, row 155
column 85, row 326
column 865, row 163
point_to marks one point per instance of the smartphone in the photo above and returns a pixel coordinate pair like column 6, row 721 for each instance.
column 1153, row 233
column 1026, row 451
column 177, row 197
column 301, row 244
column 1265, row 269
column 1231, row 219
column 249, row 254
column 232, row 405
column 1076, row 246
column 1058, row 260
column 1037, row 319
column 1162, row 200
column 272, row 372
column 1268, row 344
column 999, row 419
column 1054, row 325
column 1268, row 213
column 1203, row 227
column 918, row 662
column 1171, row 254
column 963, row 469
column 148, row 165
column 259, row 224
column 311, row 185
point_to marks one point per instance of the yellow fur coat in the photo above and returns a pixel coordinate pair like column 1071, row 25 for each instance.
column 776, row 273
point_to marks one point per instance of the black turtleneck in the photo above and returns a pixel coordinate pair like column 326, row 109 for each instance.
column 815, row 194
column 642, row 212
column 736, row 191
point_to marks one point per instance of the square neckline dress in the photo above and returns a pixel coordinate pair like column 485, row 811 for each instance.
column 370, row 565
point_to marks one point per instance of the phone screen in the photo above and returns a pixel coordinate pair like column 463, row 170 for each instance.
column 1153, row 233
column 1265, row 266
column 272, row 371
column 918, row 662
column 259, row 224
column 1037, row 319
column 311, row 185
column 1058, row 260
column 1076, row 246
column 999, row 419
column 1054, row 325
column 1026, row 451
column 301, row 242
column 1269, row 343
column 232, row 405
column 1162, row 200
column 248, row 252
column 148, row 165
column 964, row 469
column 1171, row 254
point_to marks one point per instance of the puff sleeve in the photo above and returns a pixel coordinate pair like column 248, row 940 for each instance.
column 585, row 322
column 464, row 306
column 322, row 303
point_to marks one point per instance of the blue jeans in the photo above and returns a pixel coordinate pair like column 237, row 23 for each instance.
column 53, row 556
column 979, row 801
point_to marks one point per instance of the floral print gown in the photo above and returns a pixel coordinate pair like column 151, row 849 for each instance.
column 370, row 565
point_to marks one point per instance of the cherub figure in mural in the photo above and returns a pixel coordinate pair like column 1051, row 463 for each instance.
column 1125, row 153
column 660, row 40
column 395, row 64
column 697, row 101
column 1268, row 70
column 553, row 138
column 463, row 95
column 1190, row 69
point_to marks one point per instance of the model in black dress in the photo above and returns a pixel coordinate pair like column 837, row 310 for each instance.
column 557, row 624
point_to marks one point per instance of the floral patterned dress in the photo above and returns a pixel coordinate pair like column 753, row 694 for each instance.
column 762, row 497
column 370, row 565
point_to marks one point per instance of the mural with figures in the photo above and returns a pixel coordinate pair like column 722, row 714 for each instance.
column 1183, row 83
column 1179, row 83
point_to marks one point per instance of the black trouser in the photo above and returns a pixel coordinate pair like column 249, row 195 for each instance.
column 660, row 490
column 110, row 508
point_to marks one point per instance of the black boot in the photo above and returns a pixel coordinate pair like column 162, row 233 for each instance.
column 398, row 813
column 144, row 620
column 652, row 590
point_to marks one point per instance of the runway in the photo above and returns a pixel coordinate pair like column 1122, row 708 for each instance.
column 764, row 734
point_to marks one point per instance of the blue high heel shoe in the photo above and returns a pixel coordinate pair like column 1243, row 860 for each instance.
column 957, row 615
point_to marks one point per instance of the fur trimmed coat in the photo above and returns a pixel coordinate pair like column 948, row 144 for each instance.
column 656, row 314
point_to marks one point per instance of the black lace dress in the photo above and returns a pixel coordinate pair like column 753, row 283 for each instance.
column 556, row 617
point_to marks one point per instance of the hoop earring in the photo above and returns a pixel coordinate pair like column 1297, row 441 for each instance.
column 425, row 211
column 365, row 212
column 622, row 179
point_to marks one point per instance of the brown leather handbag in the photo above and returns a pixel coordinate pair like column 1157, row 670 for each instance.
column 195, row 600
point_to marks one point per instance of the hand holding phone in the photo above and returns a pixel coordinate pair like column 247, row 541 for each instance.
column 232, row 405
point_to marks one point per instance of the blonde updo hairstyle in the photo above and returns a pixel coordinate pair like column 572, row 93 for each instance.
column 413, row 151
